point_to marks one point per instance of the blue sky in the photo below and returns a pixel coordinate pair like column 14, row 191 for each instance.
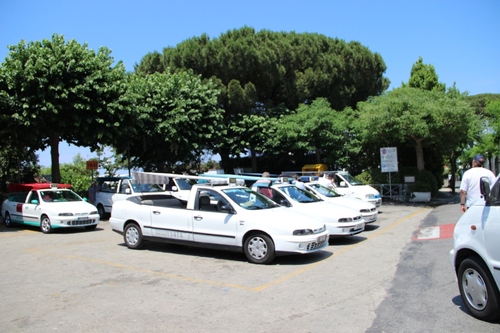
column 459, row 38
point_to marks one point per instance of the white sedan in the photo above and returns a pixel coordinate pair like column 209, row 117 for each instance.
column 339, row 220
column 231, row 218
column 49, row 207
column 367, row 210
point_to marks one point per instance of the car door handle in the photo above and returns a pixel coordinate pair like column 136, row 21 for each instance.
column 156, row 212
column 198, row 217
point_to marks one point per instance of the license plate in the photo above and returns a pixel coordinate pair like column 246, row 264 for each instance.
column 82, row 218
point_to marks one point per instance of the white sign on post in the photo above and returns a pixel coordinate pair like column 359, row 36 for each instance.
column 389, row 159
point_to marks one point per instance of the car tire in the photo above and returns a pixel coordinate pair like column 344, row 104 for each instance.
column 132, row 235
column 91, row 227
column 102, row 213
column 45, row 225
column 7, row 220
column 259, row 249
column 478, row 289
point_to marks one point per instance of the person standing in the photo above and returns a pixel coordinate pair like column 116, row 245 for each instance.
column 92, row 192
column 327, row 181
column 469, row 188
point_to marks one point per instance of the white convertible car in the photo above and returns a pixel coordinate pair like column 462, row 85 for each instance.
column 48, row 206
column 227, row 217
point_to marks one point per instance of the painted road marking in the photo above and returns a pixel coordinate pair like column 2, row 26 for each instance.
column 437, row 232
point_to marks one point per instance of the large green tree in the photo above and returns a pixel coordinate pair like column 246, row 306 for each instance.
column 421, row 118
column 317, row 128
column 62, row 90
column 266, row 73
column 177, row 119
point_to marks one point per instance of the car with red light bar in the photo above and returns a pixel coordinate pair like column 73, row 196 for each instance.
column 475, row 255
column 48, row 206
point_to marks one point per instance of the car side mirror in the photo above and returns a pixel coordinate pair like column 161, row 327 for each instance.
column 174, row 189
column 226, row 209
column 127, row 191
column 484, row 186
column 284, row 202
column 342, row 184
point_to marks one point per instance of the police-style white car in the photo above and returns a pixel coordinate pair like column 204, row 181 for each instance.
column 48, row 206
column 476, row 254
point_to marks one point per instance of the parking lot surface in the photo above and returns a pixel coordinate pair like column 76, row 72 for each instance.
column 81, row 281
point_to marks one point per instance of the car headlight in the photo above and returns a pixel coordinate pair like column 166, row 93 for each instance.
column 65, row 214
column 302, row 232
column 93, row 212
column 345, row 219
column 370, row 196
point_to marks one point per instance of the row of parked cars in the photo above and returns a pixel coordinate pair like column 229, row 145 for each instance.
column 272, row 217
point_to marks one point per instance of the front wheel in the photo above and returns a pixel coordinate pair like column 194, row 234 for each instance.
column 132, row 235
column 478, row 290
column 45, row 225
column 102, row 213
column 259, row 249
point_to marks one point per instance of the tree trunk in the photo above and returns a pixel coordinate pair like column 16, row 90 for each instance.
column 254, row 160
column 54, row 156
column 318, row 156
column 453, row 170
column 419, row 148
column 225, row 161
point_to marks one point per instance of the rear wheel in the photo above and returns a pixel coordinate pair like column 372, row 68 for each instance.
column 7, row 220
column 259, row 249
column 132, row 235
column 45, row 225
column 478, row 290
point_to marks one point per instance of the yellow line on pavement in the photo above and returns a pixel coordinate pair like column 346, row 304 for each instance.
column 223, row 284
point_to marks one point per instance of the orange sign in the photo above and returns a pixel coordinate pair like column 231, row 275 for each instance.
column 92, row 165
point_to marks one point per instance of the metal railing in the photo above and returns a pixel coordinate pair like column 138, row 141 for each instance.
column 393, row 192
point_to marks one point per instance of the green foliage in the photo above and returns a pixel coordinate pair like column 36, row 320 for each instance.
column 63, row 91
column 418, row 117
column 424, row 77
column 266, row 73
column 177, row 117
column 76, row 174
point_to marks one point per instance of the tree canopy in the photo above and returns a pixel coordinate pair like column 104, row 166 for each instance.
column 60, row 90
column 268, row 73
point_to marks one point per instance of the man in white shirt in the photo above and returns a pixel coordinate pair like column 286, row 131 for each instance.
column 327, row 181
column 469, row 188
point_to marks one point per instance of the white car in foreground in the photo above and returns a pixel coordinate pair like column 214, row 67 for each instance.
column 48, row 206
column 339, row 220
column 367, row 210
column 476, row 254
column 226, row 217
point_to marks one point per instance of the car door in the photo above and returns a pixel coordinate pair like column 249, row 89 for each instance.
column 490, row 221
column 171, row 222
column 31, row 210
column 211, row 225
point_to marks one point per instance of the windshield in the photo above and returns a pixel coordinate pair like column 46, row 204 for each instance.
column 249, row 199
column 59, row 196
column 327, row 192
column 146, row 187
column 183, row 184
column 299, row 195
column 351, row 180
